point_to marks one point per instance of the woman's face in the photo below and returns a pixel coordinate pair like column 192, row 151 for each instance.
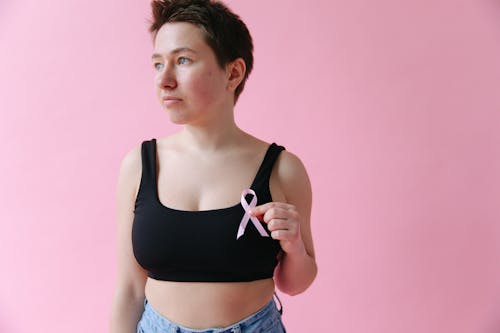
column 189, row 82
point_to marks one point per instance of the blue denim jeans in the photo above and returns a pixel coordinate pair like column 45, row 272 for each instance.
column 266, row 320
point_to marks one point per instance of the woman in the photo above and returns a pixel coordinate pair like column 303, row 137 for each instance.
column 210, row 218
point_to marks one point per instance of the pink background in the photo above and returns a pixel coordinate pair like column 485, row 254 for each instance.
column 393, row 106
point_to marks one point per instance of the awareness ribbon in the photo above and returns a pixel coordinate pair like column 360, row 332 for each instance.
column 246, row 217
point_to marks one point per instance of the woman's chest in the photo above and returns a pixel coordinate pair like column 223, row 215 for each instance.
column 195, row 184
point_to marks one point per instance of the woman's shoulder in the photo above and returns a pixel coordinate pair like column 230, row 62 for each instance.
column 130, row 172
column 291, row 171
column 132, row 159
column 287, row 162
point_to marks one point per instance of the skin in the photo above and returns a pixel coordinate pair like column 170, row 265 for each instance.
column 194, row 165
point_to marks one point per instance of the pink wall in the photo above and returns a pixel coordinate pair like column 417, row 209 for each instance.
column 393, row 106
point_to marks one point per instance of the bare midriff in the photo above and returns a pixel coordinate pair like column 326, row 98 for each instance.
column 200, row 305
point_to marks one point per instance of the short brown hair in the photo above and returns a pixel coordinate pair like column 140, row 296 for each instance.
column 225, row 32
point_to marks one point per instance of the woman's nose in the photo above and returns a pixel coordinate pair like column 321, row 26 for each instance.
column 167, row 78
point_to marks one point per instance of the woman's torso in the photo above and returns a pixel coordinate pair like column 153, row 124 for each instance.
column 198, row 181
column 199, row 305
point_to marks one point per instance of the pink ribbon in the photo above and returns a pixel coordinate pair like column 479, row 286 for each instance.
column 246, row 217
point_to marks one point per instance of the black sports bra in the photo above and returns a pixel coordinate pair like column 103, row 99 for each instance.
column 201, row 246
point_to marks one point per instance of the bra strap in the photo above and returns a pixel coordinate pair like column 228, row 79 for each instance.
column 261, row 181
column 148, row 154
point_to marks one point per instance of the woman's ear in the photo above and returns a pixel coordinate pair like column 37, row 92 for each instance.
column 235, row 72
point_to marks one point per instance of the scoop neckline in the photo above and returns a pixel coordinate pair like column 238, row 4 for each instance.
column 204, row 211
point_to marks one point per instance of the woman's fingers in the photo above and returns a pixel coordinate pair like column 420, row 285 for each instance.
column 262, row 209
column 283, row 222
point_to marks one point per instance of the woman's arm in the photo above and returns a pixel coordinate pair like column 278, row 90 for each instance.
column 128, row 299
column 289, row 222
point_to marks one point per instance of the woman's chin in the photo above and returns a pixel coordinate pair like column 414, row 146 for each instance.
column 177, row 119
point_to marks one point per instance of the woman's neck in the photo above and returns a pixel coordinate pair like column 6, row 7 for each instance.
column 214, row 136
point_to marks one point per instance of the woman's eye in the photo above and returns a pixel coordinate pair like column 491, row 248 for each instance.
column 182, row 60
column 156, row 66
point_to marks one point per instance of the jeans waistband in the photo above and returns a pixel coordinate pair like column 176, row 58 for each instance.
column 269, row 309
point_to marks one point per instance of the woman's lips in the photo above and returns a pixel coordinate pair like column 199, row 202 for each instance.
column 168, row 101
